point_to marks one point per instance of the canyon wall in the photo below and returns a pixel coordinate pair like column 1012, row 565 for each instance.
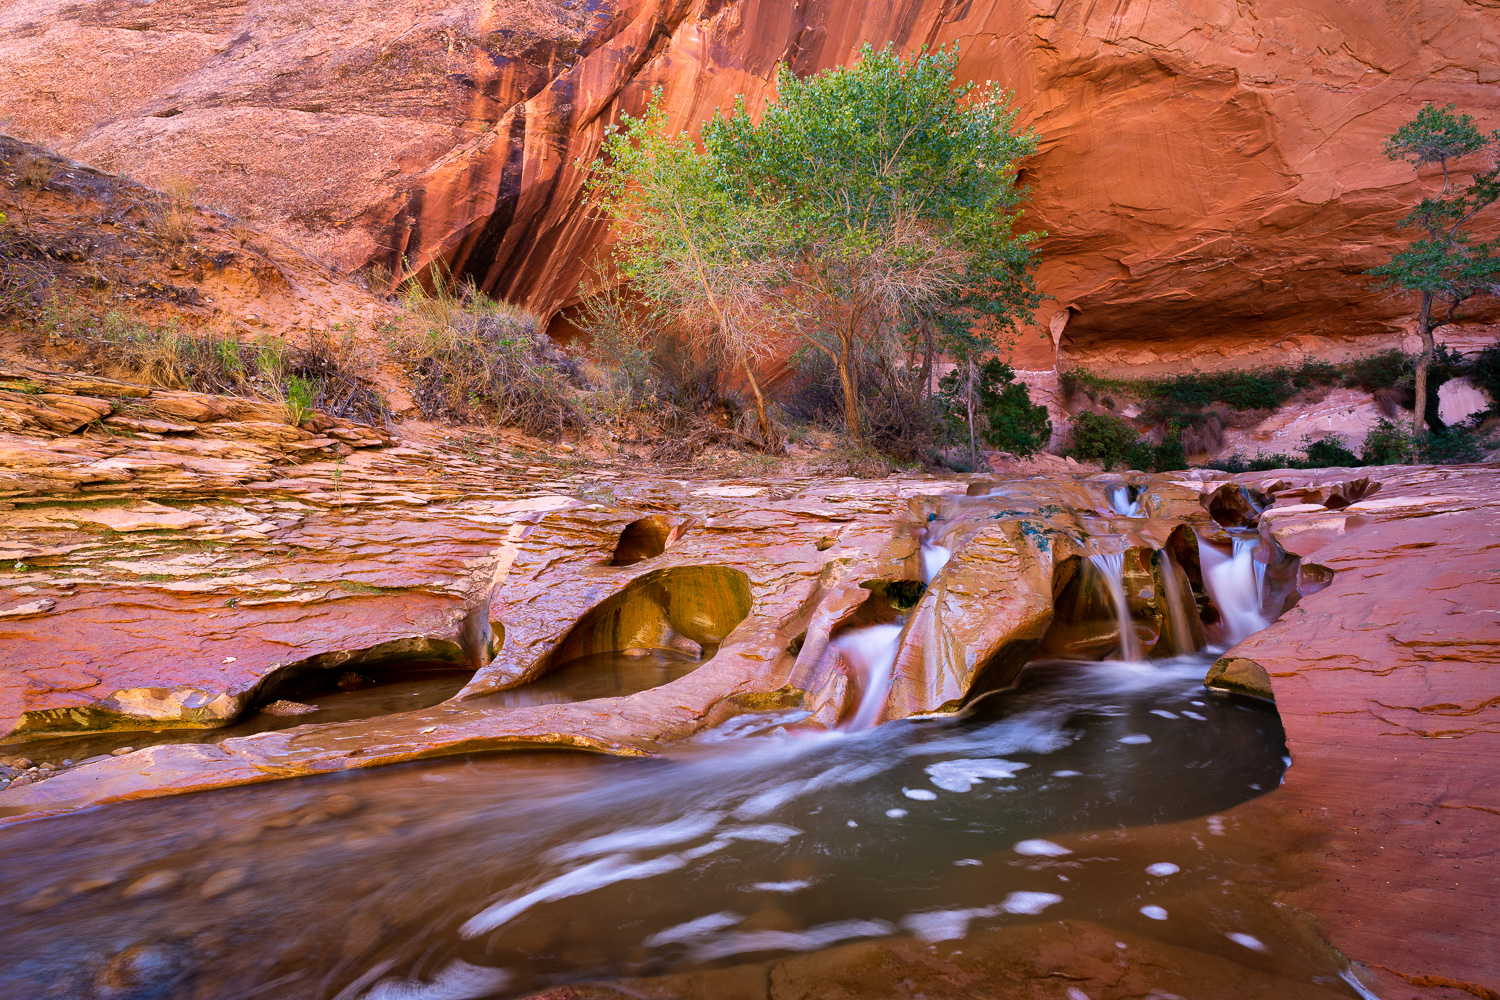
column 1209, row 177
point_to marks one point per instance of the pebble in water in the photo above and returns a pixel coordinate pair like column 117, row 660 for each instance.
column 1162, row 868
column 1154, row 912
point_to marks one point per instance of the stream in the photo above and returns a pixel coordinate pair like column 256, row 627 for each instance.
column 505, row 873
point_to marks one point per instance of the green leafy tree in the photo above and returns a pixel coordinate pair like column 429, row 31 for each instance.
column 895, row 190
column 689, row 244
column 1444, row 263
column 997, row 409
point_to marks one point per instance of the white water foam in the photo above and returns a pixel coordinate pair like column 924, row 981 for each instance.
column 1030, row 903
column 1041, row 849
column 1246, row 941
column 961, row 775
column 459, row 981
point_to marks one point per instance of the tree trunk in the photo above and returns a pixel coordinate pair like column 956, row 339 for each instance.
column 851, row 391
column 1424, row 361
column 769, row 437
column 927, row 363
column 973, row 447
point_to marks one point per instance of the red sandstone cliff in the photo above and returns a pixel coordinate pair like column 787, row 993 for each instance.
column 1209, row 171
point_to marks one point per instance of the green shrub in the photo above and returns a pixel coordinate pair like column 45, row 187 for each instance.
column 1451, row 446
column 1485, row 371
column 1386, row 444
column 1329, row 452
column 1103, row 438
column 1373, row 372
column 1004, row 414
column 300, row 394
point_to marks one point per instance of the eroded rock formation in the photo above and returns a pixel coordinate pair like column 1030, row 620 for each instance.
column 1209, row 175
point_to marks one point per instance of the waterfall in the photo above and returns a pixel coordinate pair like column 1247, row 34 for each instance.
column 1112, row 569
column 1177, row 607
column 871, row 653
column 1234, row 583
column 1120, row 500
column 934, row 558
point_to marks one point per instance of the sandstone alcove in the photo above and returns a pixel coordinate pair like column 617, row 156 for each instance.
column 644, row 538
column 689, row 609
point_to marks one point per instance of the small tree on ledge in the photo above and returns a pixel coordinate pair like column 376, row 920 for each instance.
column 1444, row 264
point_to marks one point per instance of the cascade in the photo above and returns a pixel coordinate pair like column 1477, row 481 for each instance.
column 934, row 558
column 871, row 653
column 1234, row 583
column 1112, row 568
column 1119, row 499
column 1177, row 605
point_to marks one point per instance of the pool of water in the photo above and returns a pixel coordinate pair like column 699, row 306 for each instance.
column 502, row 874
column 393, row 689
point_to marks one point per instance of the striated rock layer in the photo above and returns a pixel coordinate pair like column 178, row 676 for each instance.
column 1209, row 173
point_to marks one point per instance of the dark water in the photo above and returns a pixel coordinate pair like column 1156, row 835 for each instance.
column 395, row 688
column 499, row 875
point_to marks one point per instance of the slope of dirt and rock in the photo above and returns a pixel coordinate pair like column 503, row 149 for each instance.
column 95, row 243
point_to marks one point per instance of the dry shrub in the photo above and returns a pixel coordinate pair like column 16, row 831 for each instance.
column 318, row 376
column 471, row 359
column 171, row 212
column 34, row 170
column 1206, row 438
column 661, row 386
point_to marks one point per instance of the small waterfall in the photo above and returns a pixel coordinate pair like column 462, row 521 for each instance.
column 1112, row 569
column 1120, row 500
column 871, row 653
column 1234, row 583
column 934, row 558
column 1177, row 605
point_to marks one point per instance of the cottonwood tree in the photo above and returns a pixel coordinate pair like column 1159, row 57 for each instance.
column 894, row 190
column 1444, row 264
column 690, row 245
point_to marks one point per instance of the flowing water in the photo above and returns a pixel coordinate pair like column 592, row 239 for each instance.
column 1120, row 500
column 1111, row 567
column 870, row 653
column 496, row 875
column 1235, row 583
column 1177, row 603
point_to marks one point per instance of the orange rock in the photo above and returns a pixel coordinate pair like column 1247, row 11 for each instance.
column 1208, row 175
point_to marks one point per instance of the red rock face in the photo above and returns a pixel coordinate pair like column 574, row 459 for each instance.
column 1209, row 175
